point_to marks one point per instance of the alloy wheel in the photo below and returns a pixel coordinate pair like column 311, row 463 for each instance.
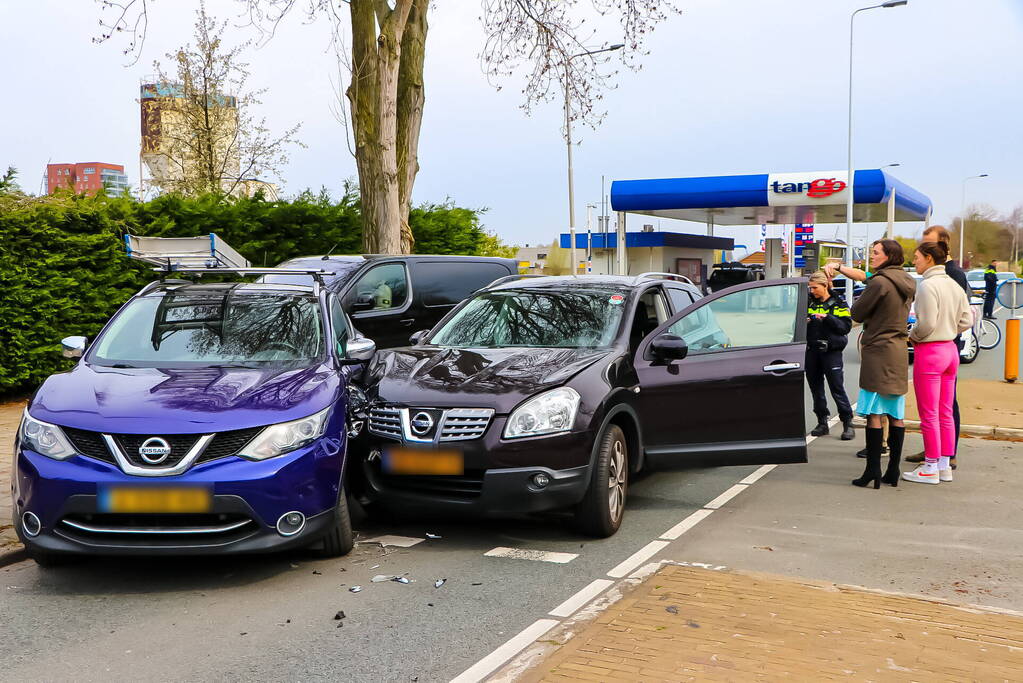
column 617, row 472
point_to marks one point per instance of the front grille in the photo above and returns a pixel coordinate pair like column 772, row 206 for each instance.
column 462, row 424
column 168, row 530
column 457, row 424
column 179, row 444
column 222, row 445
column 385, row 422
column 466, row 486
column 90, row 444
column 228, row 443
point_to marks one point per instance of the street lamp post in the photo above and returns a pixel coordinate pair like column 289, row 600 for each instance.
column 849, row 180
column 568, row 144
column 962, row 219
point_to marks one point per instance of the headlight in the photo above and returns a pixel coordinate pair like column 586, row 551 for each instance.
column 548, row 413
column 45, row 439
column 285, row 437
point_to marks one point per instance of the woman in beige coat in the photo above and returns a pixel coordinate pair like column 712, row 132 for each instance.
column 883, row 308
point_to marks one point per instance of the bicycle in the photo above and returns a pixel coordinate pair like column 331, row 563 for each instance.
column 989, row 335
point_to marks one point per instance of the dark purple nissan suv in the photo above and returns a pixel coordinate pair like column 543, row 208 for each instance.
column 204, row 418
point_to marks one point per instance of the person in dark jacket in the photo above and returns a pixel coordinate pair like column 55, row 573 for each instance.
column 990, row 287
column 883, row 308
column 827, row 332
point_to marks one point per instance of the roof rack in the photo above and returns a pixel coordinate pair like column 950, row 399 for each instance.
column 663, row 276
column 204, row 256
column 511, row 278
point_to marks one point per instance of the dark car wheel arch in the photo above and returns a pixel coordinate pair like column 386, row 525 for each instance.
column 624, row 416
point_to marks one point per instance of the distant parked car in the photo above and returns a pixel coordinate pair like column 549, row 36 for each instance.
column 390, row 297
column 975, row 278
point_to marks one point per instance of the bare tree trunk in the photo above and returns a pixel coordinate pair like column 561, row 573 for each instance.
column 373, row 94
column 411, row 98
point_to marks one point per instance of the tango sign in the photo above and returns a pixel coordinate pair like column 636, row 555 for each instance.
column 787, row 189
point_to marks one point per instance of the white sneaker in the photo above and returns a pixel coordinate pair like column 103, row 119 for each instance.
column 945, row 475
column 922, row 475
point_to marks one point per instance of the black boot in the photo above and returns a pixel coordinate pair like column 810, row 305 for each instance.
column 896, row 435
column 822, row 427
column 847, row 429
column 872, row 472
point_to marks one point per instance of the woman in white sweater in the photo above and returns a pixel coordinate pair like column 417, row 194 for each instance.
column 942, row 312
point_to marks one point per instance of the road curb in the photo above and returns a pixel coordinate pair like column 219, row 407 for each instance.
column 985, row 431
column 8, row 557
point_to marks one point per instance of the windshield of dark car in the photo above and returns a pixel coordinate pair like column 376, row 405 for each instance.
column 535, row 318
column 211, row 329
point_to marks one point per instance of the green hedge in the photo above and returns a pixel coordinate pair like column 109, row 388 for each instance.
column 63, row 270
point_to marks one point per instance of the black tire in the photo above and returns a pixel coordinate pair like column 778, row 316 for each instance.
column 601, row 511
column 340, row 540
column 973, row 348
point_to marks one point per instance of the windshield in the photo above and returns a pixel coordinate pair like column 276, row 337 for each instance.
column 212, row 329
column 573, row 319
column 975, row 275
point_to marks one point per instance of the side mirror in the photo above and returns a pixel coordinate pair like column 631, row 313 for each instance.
column 360, row 350
column 666, row 348
column 363, row 302
column 418, row 337
column 73, row 347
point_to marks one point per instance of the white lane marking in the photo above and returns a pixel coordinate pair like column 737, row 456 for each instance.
column 686, row 524
column 591, row 591
column 637, row 558
column 398, row 541
column 726, row 496
column 535, row 555
column 486, row 666
column 755, row 477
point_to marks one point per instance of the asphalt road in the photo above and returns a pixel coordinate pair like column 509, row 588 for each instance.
column 272, row 618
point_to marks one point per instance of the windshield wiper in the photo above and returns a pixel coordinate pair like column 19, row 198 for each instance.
column 122, row 366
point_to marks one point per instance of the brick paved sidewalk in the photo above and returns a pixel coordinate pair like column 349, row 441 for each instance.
column 686, row 623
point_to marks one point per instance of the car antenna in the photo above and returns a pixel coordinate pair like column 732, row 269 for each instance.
column 329, row 252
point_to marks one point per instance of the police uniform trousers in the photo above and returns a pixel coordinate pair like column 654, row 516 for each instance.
column 827, row 365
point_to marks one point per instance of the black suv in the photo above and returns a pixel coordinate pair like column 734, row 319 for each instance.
column 547, row 393
column 389, row 297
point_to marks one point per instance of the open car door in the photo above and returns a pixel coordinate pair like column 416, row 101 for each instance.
column 721, row 382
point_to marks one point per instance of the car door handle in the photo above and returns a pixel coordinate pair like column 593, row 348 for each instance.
column 407, row 322
column 781, row 367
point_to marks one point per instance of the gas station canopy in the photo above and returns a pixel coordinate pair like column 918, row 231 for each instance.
column 782, row 198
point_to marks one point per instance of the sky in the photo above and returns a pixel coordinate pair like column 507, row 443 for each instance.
column 728, row 87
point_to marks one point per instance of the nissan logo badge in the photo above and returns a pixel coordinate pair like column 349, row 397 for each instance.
column 154, row 450
column 421, row 423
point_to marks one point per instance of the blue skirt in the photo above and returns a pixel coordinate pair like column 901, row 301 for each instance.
column 873, row 403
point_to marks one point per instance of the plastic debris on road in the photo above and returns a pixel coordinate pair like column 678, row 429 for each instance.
column 375, row 566
column 355, row 589
column 433, row 537
column 438, row 583
column 400, row 579
column 379, row 578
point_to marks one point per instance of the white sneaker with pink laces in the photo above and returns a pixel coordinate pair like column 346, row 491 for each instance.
column 923, row 474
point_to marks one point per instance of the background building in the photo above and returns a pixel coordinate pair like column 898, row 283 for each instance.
column 87, row 177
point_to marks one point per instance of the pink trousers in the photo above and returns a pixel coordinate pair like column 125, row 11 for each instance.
column 934, row 382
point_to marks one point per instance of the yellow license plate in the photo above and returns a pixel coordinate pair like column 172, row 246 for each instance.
column 410, row 461
column 154, row 500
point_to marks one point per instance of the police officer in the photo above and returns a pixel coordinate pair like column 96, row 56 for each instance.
column 990, row 285
column 827, row 332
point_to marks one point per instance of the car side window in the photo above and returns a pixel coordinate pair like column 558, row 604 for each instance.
column 651, row 312
column 339, row 324
column 764, row 316
column 680, row 298
column 445, row 283
column 385, row 285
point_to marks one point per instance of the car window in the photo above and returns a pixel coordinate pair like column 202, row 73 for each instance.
column 680, row 298
column 752, row 317
column 651, row 311
column 386, row 285
column 339, row 323
column 446, row 283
